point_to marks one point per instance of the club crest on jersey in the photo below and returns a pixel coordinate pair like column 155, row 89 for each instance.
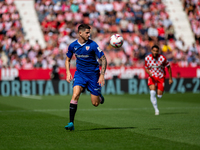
column 87, row 48
column 159, row 64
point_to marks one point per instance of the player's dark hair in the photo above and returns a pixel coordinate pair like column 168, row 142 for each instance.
column 155, row 46
column 83, row 27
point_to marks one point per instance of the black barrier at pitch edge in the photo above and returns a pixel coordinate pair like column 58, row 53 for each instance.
column 114, row 86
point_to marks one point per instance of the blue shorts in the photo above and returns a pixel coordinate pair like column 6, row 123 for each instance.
column 88, row 81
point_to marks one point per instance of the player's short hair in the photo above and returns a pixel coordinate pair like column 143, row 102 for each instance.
column 155, row 46
column 82, row 27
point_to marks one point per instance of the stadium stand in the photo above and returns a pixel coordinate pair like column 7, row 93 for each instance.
column 180, row 21
column 12, row 39
column 30, row 23
column 192, row 9
column 141, row 22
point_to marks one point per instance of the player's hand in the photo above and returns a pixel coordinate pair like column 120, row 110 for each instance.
column 101, row 80
column 69, row 77
column 170, row 81
column 150, row 74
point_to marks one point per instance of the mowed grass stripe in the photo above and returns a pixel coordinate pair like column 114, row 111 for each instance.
column 43, row 131
column 105, row 127
column 107, row 109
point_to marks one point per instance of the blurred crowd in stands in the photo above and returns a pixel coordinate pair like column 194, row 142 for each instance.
column 192, row 8
column 142, row 23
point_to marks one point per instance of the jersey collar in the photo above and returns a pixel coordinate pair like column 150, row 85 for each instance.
column 82, row 44
column 156, row 57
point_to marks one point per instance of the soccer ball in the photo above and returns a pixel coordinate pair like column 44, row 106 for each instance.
column 116, row 40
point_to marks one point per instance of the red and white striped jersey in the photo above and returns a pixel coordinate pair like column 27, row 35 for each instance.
column 156, row 65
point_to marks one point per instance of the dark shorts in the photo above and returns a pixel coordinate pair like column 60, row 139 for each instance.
column 88, row 81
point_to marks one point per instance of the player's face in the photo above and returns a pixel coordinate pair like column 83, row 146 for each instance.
column 155, row 52
column 85, row 34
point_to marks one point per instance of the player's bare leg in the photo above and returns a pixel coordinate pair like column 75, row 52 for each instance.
column 73, row 106
column 74, row 101
column 96, row 100
column 153, row 98
column 76, row 92
column 159, row 93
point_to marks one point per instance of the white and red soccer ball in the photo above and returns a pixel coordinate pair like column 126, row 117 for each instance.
column 116, row 40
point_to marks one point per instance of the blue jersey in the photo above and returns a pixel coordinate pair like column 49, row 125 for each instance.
column 86, row 55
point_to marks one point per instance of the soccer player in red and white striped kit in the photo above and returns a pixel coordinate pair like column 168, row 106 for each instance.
column 155, row 64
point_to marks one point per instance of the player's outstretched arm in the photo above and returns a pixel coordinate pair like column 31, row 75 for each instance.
column 67, row 66
column 101, row 80
column 170, row 75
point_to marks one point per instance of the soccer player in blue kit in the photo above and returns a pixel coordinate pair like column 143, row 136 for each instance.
column 87, row 73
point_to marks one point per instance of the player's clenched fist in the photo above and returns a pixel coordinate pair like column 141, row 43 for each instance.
column 170, row 81
column 69, row 77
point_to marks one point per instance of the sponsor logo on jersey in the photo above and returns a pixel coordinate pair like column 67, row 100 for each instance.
column 85, row 56
column 87, row 48
column 75, row 48
column 155, row 66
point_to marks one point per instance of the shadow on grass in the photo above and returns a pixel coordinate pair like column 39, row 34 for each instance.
column 175, row 113
column 109, row 128
column 155, row 128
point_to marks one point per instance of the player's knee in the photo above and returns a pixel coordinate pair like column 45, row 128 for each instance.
column 95, row 104
column 159, row 96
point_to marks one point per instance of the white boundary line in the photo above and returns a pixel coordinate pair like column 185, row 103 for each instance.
column 32, row 97
column 106, row 109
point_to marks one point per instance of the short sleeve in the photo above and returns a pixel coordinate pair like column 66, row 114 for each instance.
column 146, row 66
column 98, row 51
column 70, row 52
column 166, row 63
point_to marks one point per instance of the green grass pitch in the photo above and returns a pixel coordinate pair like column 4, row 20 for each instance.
column 123, row 122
